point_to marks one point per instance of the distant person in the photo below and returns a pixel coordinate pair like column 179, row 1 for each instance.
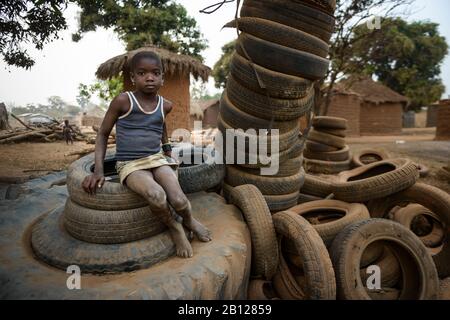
column 143, row 151
column 68, row 132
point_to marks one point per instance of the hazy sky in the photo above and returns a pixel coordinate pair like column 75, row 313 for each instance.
column 63, row 64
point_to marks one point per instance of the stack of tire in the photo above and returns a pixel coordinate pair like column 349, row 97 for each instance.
column 118, row 219
column 280, row 53
column 326, row 151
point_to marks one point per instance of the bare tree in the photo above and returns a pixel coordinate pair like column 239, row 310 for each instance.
column 349, row 14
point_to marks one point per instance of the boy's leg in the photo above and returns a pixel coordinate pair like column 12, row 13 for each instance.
column 142, row 183
column 165, row 176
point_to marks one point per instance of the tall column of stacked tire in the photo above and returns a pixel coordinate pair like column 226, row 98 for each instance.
column 326, row 151
column 280, row 53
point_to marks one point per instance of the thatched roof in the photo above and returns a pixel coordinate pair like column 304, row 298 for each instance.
column 371, row 91
column 198, row 107
column 172, row 63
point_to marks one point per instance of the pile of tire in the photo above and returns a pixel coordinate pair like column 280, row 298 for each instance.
column 280, row 53
column 326, row 151
column 116, row 218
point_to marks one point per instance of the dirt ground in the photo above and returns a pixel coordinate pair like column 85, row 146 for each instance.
column 40, row 158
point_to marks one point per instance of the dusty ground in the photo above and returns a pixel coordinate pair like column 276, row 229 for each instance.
column 40, row 158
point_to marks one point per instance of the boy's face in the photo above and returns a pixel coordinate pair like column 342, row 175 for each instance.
column 147, row 75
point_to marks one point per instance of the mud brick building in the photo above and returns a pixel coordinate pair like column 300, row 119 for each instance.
column 206, row 111
column 177, row 71
column 443, row 120
column 370, row 107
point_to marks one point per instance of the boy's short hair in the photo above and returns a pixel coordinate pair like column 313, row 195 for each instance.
column 145, row 55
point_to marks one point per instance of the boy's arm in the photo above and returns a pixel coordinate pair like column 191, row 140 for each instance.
column 115, row 110
column 168, row 106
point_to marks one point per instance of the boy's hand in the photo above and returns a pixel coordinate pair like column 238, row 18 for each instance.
column 92, row 182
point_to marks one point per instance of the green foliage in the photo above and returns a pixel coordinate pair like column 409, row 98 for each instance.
column 28, row 21
column 222, row 67
column 140, row 22
column 406, row 57
column 106, row 90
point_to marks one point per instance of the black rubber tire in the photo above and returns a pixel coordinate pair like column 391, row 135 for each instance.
column 278, row 85
column 390, row 270
column 284, row 282
column 282, row 59
column 432, row 198
column 376, row 180
column 317, row 186
column 281, row 34
column 275, row 203
column 328, row 230
column 335, row 132
column 305, row 198
column 326, row 167
column 326, row 122
column 375, row 155
column 287, row 168
column 239, row 119
column 420, row 279
column 319, row 147
column 327, row 6
column 100, row 226
column 340, row 155
column 199, row 177
column 319, row 274
column 268, row 185
column 112, row 196
column 327, row 139
column 259, row 220
column 52, row 244
column 264, row 107
column 304, row 20
column 260, row 290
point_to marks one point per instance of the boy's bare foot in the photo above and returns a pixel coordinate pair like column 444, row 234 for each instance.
column 183, row 247
column 202, row 233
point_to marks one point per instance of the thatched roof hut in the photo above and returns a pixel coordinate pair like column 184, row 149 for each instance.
column 173, row 63
column 177, row 71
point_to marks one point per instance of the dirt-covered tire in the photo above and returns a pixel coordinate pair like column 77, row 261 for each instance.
column 268, row 185
column 371, row 254
column 282, row 59
column 304, row 198
column 105, row 226
column 199, row 177
column 317, row 186
column 296, row 16
column 281, row 34
column 367, row 156
column 435, row 236
column 340, row 155
column 424, row 171
column 278, row 85
column 112, row 195
column 327, row 139
column 432, row 198
column 52, row 244
column 325, row 122
column 329, row 217
column 239, row 119
column 325, row 167
column 376, row 180
column 317, row 267
column 286, row 168
column 319, row 147
column 419, row 275
column 327, row 6
column 284, row 283
column 260, row 290
column 259, row 220
column 390, row 270
column 335, row 132
column 261, row 106
column 275, row 203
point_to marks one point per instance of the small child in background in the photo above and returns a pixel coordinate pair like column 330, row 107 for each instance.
column 67, row 132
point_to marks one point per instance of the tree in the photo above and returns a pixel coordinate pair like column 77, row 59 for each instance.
column 141, row 22
column 28, row 21
column 222, row 66
column 106, row 90
column 406, row 57
column 349, row 14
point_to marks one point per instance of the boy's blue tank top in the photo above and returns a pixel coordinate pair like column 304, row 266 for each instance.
column 139, row 133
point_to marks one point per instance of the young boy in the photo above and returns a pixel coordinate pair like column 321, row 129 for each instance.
column 141, row 164
column 67, row 132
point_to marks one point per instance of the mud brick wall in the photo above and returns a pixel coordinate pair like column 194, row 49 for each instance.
column 443, row 123
column 347, row 106
column 210, row 116
column 381, row 119
column 431, row 116
column 91, row 121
